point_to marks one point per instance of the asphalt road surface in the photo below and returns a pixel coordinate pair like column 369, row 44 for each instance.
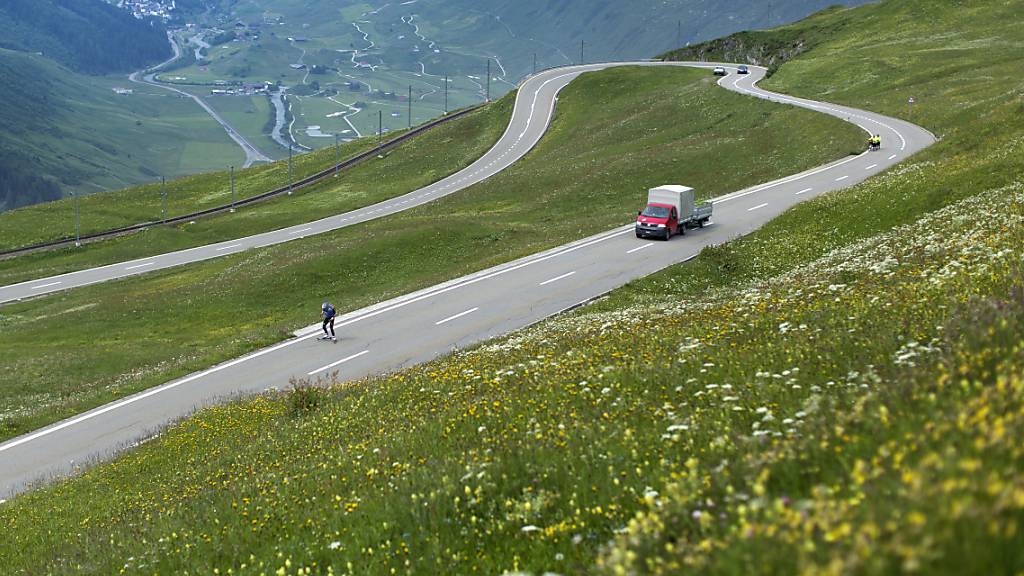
column 424, row 325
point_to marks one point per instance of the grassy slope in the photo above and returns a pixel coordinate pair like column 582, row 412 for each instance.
column 853, row 413
column 118, row 208
column 416, row 163
column 607, row 145
column 92, row 138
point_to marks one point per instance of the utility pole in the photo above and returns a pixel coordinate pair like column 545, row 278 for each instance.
column 337, row 158
column 232, row 189
column 581, row 52
column 163, row 194
column 446, row 94
column 290, row 180
column 679, row 33
column 410, row 105
column 78, row 237
column 488, row 99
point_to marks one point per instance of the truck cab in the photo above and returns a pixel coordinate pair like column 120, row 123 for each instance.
column 657, row 221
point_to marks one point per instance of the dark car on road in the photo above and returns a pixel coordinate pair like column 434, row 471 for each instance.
column 742, row 69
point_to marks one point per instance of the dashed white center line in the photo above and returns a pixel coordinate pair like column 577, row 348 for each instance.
column 137, row 266
column 870, row 167
column 804, row 191
column 338, row 363
column 891, row 157
column 557, row 278
column 41, row 286
column 459, row 315
column 758, row 207
column 639, row 248
column 841, row 178
column 293, row 232
column 228, row 247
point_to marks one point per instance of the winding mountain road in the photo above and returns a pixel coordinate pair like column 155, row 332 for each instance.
column 424, row 325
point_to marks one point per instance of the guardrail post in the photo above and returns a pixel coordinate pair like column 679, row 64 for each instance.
column 163, row 196
column 232, row 189
column 446, row 94
column 78, row 237
column 337, row 159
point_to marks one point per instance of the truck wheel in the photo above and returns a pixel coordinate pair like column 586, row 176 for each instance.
column 700, row 223
column 682, row 229
column 668, row 234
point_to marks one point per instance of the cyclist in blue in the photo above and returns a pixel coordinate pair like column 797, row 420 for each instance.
column 327, row 312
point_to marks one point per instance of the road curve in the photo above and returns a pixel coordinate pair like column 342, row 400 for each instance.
column 471, row 309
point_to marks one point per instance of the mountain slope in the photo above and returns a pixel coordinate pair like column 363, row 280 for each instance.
column 89, row 36
column 73, row 132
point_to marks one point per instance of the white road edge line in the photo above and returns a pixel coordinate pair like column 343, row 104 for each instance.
column 758, row 207
column 870, row 167
column 639, row 248
column 841, row 178
column 41, row 286
column 137, row 266
column 804, row 191
column 557, row 278
column 293, row 232
column 338, row 363
column 891, row 157
column 228, row 247
column 459, row 315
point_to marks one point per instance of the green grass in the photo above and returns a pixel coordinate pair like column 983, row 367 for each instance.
column 99, row 212
column 416, row 163
column 609, row 143
column 90, row 138
column 833, row 394
column 249, row 115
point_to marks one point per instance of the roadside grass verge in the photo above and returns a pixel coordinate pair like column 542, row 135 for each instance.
column 610, row 142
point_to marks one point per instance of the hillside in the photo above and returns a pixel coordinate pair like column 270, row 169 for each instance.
column 89, row 36
column 609, row 30
column 840, row 392
column 270, row 289
column 67, row 132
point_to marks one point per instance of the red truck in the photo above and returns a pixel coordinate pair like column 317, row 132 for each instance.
column 670, row 210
